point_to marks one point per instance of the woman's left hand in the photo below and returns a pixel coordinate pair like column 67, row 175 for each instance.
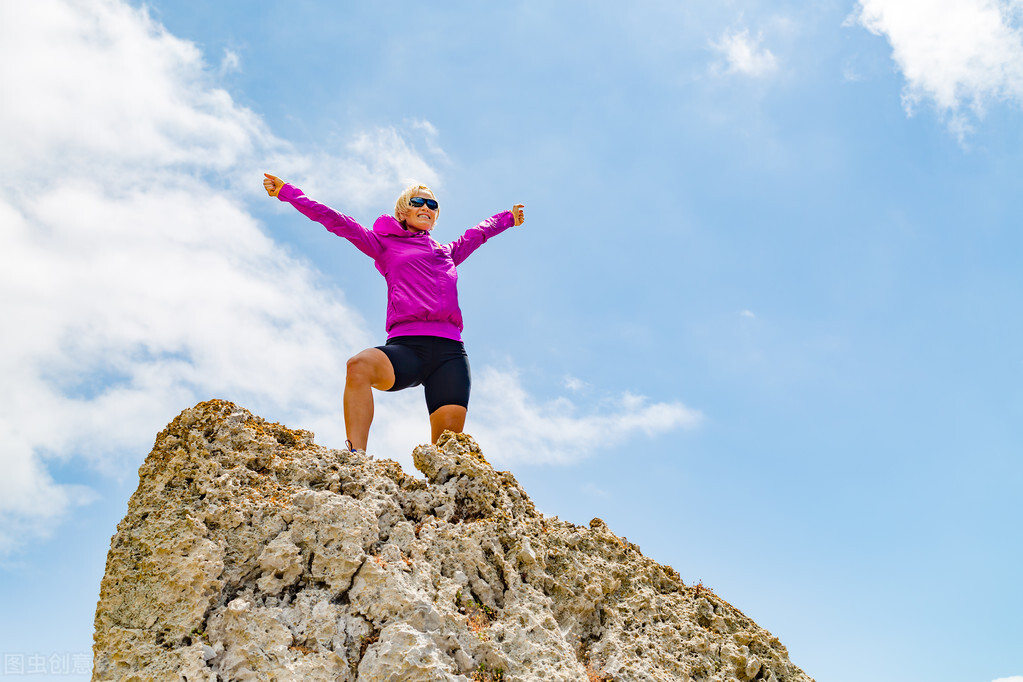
column 518, row 214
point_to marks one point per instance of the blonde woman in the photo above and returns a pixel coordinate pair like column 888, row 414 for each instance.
column 424, row 324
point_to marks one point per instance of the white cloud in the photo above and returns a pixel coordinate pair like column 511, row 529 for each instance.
column 744, row 55
column 518, row 428
column 230, row 62
column 851, row 74
column 364, row 173
column 1015, row 678
column 130, row 287
column 958, row 54
column 575, row 384
column 138, row 93
column 134, row 281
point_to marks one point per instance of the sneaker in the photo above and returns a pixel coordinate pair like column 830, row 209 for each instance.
column 351, row 449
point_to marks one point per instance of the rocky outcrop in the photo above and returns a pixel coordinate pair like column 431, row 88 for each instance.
column 250, row 553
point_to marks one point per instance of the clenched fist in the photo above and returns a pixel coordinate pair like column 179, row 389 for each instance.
column 273, row 184
column 519, row 214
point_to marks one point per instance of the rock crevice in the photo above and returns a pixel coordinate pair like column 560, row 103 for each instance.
column 248, row 552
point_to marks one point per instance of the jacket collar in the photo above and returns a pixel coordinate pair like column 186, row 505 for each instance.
column 388, row 225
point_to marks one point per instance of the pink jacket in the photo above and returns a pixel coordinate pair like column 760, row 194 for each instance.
column 422, row 292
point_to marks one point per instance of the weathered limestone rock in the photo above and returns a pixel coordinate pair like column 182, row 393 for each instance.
column 250, row 553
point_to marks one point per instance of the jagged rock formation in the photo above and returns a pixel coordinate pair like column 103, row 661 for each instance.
column 250, row 553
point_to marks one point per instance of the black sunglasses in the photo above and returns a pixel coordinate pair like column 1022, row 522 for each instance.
column 423, row 201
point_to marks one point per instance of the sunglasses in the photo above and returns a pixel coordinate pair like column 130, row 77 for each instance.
column 423, row 201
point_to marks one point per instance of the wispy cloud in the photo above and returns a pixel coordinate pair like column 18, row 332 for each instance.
column 959, row 55
column 575, row 384
column 230, row 62
column 135, row 281
column 744, row 54
column 520, row 428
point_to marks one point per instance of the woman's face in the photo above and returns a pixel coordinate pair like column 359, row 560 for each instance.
column 421, row 218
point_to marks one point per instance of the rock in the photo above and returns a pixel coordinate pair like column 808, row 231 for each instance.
column 250, row 553
column 404, row 653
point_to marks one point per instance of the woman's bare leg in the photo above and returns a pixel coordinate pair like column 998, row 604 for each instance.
column 447, row 417
column 367, row 370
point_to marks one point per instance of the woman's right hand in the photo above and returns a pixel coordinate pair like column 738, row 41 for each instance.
column 273, row 184
column 518, row 214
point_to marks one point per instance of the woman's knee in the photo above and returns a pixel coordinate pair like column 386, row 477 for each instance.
column 360, row 368
column 372, row 367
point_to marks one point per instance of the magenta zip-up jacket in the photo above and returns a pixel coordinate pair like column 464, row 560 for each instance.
column 422, row 282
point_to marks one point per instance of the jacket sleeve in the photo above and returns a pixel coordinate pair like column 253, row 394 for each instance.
column 474, row 237
column 338, row 223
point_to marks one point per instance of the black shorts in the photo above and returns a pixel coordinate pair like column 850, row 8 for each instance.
column 440, row 365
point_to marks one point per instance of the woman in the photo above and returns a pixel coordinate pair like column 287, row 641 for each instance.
column 424, row 324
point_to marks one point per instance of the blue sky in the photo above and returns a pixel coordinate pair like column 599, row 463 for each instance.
column 763, row 318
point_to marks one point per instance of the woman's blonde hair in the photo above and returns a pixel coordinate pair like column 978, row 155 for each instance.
column 401, row 206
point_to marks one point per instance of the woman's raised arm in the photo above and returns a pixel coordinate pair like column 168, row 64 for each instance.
column 338, row 223
column 474, row 237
